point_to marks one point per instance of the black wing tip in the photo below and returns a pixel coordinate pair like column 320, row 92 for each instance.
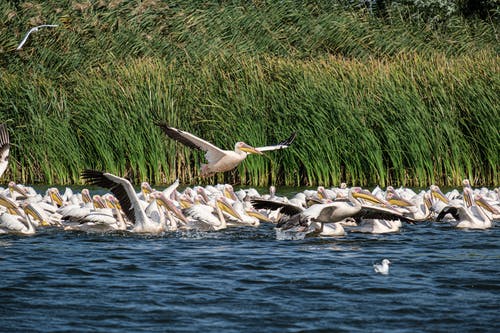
column 93, row 177
column 289, row 140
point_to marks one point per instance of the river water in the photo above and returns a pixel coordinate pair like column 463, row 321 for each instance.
column 245, row 280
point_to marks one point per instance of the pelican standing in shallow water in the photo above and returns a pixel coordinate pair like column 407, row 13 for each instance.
column 220, row 160
column 4, row 149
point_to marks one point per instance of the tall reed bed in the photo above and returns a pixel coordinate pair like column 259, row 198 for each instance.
column 373, row 101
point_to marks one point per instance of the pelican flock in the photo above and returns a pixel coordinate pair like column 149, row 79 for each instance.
column 321, row 212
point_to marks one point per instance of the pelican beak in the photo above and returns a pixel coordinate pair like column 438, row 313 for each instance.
column 13, row 187
column 225, row 206
column 427, row 200
column 396, row 200
column 363, row 194
column 255, row 213
column 250, row 150
column 98, row 202
column 185, row 202
column 55, row 196
column 468, row 198
column 146, row 189
column 480, row 201
column 436, row 193
column 170, row 206
column 8, row 203
column 229, row 193
column 86, row 196
column 29, row 210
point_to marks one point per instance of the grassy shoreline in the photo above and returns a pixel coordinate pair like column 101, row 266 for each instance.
column 373, row 102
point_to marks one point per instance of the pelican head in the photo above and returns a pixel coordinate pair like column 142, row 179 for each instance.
column 436, row 193
column 241, row 146
column 226, row 206
column 358, row 192
column 98, row 202
column 55, row 196
column 86, row 198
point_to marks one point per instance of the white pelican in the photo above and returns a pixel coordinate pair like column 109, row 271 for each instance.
column 4, row 148
column 220, row 160
column 207, row 217
column 382, row 268
column 35, row 29
column 467, row 215
column 127, row 197
column 15, row 220
column 336, row 211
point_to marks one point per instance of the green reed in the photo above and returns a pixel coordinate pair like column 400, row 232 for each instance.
column 374, row 101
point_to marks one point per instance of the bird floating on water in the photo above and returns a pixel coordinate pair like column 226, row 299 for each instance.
column 220, row 160
column 34, row 29
column 383, row 267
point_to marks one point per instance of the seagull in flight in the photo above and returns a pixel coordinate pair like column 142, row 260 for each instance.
column 35, row 29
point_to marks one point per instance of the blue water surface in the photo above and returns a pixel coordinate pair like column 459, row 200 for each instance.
column 245, row 280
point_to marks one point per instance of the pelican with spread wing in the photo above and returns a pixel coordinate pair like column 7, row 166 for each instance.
column 4, row 148
column 220, row 160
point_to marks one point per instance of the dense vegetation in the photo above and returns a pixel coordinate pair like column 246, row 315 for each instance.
column 377, row 97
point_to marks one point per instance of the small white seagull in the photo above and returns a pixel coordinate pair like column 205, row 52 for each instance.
column 382, row 268
column 35, row 29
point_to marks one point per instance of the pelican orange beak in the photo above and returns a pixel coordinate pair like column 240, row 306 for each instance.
column 225, row 206
column 249, row 149
column 396, row 200
column 146, row 189
column 468, row 199
column 29, row 210
column 480, row 201
column 6, row 202
column 436, row 193
column 255, row 213
column 55, row 196
column 162, row 200
column 427, row 200
column 185, row 201
column 13, row 187
column 229, row 192
column 366, row 195
column 98, row 202
column 86, row 196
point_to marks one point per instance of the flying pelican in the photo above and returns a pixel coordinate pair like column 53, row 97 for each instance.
column 127, row 197
column 35, row 29
column 220, row 160
column 382, row 268
column 335, row 211
column 4, row 149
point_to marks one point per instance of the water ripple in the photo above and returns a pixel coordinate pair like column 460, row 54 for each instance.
column 244, row 280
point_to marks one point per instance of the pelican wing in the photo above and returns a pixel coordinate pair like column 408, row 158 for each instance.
column 286, row 208
column 375, row 212
column 280, row 145
column 4, row 148
column 122, row 190
column 214, row 153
